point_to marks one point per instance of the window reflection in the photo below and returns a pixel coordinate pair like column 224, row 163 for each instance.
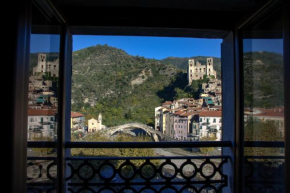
column 264, row 105
column 42, row 101
column 43, row 84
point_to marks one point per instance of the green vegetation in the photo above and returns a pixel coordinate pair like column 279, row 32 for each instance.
column 43, row 151
column 259, row 130
column 206, row 150
column 263, row 74
column 122, row 87
column 47, row 76
column 118, row 152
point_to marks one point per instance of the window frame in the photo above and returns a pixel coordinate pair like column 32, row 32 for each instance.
column 20, row 81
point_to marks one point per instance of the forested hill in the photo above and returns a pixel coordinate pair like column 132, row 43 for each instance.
column 264, row 79
column 182, row 63
column 122, row 87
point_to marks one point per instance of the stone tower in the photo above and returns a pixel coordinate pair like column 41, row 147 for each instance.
column 190, row 70
column 42, row 61
column 100, row 118
column 41, row 64
column 209, row 68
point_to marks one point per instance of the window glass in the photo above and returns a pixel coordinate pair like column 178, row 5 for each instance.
column 42, row 100
column 142, row 86
column 264, row 103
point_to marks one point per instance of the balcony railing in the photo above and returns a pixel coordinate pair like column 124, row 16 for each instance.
column 149, row 174
column 264, row 173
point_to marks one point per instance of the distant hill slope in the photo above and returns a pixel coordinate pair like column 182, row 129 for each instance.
column 182, row 63
column 122, row 87
column 264, row 79
column 127, row 88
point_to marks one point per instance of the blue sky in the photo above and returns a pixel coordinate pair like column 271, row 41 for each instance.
column 270, row 45
column 44, row 43
column 154, row 47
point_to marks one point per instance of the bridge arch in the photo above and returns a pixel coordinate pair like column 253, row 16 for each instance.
column 156, row 135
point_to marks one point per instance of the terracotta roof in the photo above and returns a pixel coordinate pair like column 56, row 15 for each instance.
column 194, row 109
column 164, row 109
column 179, row 112
column 210, row 113
column 76, row 114
column 167, row 103
column 36, row 112
column 277, row 112
column 184, row 102
column 188, row 114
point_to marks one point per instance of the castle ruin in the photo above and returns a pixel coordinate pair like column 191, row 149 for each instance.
column 196, row 70
column 43, row 66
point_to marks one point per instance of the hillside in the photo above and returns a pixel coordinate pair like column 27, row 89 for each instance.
column 182, row 63
column 263, row 73
column 122, row 87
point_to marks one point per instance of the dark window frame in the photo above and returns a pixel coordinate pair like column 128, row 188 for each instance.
column 22, row 58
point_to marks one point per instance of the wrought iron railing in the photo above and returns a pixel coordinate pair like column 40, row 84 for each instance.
column 264, row 173
column 131, row 174
column 41, row 174
column 146, row 174
column 153, row 174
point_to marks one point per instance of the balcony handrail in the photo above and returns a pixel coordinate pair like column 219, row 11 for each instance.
column 132, row 144
column 147, row 144
column 41, row 144
column 264, row 144
column 71, row 158
column 42, row 158
column 151, row 183
column 265, row 157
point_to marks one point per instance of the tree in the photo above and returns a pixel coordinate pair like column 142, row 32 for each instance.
column 206, row 150
column 179, row 94
column 261, row 130
column 205, row 79
column 43, row 151
column 194, row 85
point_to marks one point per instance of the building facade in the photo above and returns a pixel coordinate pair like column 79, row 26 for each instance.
column 210, row 123
column 180, row 127
column 77, row 120
column 41, row 124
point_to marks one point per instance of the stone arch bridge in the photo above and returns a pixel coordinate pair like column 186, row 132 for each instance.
column 156, row 135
